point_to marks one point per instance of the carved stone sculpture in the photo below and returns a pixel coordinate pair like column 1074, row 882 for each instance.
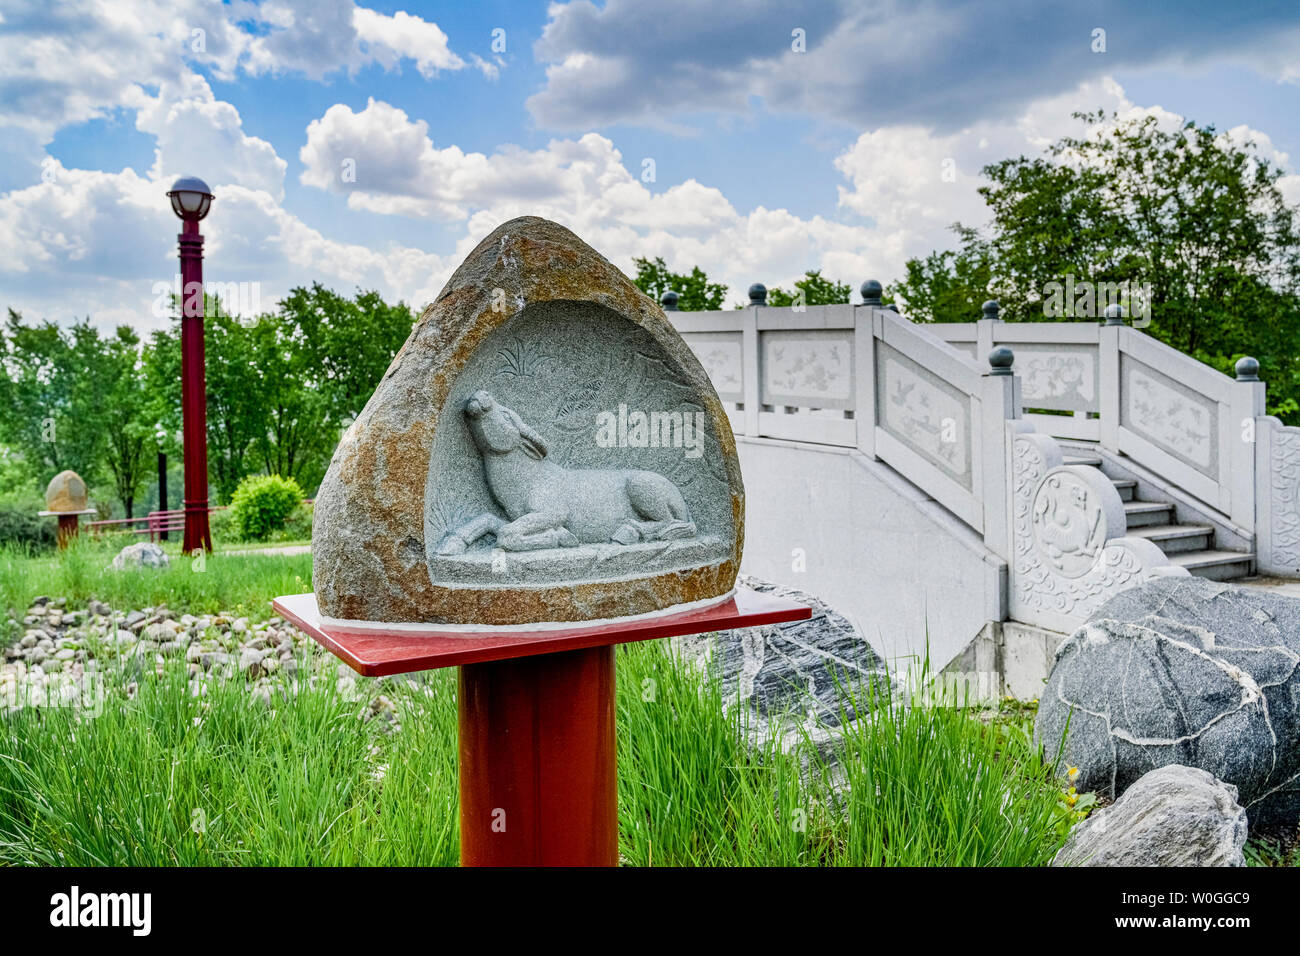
column 552, row 506
column 544, row 447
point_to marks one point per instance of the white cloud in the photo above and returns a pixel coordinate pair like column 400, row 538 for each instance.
column 319, row 37
column 945, row 65
column 195, row 131
column 97, row 243
column 68, row 62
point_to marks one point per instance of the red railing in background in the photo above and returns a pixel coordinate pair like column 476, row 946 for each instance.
column 155, row 522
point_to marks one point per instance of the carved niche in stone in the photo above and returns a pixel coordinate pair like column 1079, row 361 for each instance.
column 545, row 447
column 550, row 506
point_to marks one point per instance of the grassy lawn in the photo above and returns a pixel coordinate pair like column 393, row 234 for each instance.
column 163, row 775
column 239, row 584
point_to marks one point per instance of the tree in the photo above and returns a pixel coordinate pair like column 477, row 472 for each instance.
column 49, row 417
column 815, row 289
column 695, row 293
column 948, row 286
column 128, row 423
column 283, row 385
column 74, row 398
column 351, row 342
column 1193, row 216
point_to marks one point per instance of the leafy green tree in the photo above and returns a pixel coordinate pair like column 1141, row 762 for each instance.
column 51, row 414
column 351, row 342
column 126, row 413
column 815, row 289
column 949, row 285
column 283, row 385
column 235, row 412
column 695, row 293
column 1191, row 214
column 298, row 432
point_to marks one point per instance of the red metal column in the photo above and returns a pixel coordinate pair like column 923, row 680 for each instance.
column 537, row 761
column 194, row 391
column 68, row 527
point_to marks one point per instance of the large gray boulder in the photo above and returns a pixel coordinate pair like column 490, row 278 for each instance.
column 1174, row 816
column 144, row 554
column 525, row 458
column 792, row 673
column 1183, row 671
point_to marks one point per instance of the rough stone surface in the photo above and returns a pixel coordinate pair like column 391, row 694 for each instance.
column 140, row 555
column 407, row 517
column 1184, row 671
column 1173, row 816
column 65, row 492
column 787, row 673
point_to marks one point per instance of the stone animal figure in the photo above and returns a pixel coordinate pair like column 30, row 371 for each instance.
column 552, row 506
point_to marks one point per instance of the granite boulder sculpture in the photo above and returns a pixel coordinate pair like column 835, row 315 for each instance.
column 544, row 448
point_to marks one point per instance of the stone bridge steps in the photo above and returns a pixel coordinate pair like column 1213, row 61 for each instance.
column 1170, row 538
column 1187, row 545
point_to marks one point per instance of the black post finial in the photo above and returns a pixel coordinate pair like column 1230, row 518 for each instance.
column 758, row 294
column 990, row 309
column 1247, row 369
column 1000, row 361
column 1114, row 314
column 669, row 301
column 871, row 292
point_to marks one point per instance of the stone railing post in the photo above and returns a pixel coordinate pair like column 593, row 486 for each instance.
column 749, row 355
column 864, row 366
column 1247, row 406
column 999, row 404
column 986, row 328
column 1108, row 376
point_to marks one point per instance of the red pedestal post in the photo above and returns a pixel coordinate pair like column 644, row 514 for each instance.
column 536, row 717
column 537, row 761
column 194, row 391
column 68, row 527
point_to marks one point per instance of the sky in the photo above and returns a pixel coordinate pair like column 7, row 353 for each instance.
column 372, row 146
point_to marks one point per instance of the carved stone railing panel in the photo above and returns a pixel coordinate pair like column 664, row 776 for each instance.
column 924, row 412
column 1062, row 378
column 1278, row 448
column 722, row 357
column 807, row 369
column 1175, row 418
column 1069, row 552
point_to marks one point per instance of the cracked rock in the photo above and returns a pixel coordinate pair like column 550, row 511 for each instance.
column 1184, row 671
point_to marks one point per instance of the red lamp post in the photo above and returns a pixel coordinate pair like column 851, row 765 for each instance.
column 191, row 200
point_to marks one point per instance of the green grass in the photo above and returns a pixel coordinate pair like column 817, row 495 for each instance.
column 171, row 779
column 306, row 781
column 164, row 777
column 241, row 584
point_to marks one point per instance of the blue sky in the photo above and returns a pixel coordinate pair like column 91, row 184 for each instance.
column 783, row 136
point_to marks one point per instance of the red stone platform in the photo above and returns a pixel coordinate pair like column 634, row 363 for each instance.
column 376, row 653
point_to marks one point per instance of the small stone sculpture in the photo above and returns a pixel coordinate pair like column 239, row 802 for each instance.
column 553, row 506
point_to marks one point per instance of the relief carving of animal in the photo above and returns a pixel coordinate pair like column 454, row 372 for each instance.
column 551, row 506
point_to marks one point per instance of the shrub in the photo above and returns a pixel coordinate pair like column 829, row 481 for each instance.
column 222, row 525
column 24, row 531
column 298, row 525
column 261, row 505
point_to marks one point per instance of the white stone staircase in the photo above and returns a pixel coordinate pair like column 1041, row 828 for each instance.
column 1190, row 546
